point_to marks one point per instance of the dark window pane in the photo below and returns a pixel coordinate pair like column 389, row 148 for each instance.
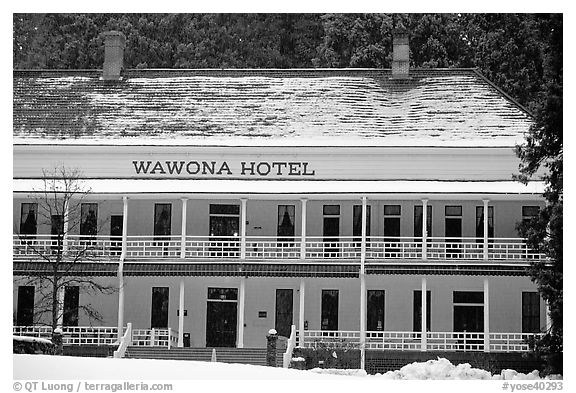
column 453, row 210
column 57, row 224
column 357, row 222
column 28, row 218
column 162, row 219
column 284, row 308
column 331, row 210
column 391, row 210
column 375, row 310
column 224, row 209
column 223, row 293
column 89, row 219
column 468, row 297
column 530, row 312
column 418, row 221
column 71, row 304
column 329, row 312
column 417, row 311
column 25, row 308
column 469, row 319
column 159, row 307
column 286, row 220
column 480, row 221
column 530, row 211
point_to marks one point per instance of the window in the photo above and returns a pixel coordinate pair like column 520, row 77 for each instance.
column 225, row 209
column 453, row 229
column 222, row 293
column 329, row 317
column 392, row 231
column 159, row 307
column 480, row 222
column 529, row 212
column 375, row 310
column 331, row 230
column 331, row 210
column 162, row 220
column 418, row 222
column 89, row 219
column 71, row 304
column 357, row 223
column 530, row 312
column 285, row 228
column 25, row 308
column 28, row 219
column 417, row 311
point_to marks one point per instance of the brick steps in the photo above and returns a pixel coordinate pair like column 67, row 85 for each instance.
column 255, row 356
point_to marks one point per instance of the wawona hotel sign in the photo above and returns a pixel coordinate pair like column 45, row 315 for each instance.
column 223, row 168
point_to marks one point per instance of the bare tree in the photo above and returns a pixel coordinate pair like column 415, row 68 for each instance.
column 58, row 204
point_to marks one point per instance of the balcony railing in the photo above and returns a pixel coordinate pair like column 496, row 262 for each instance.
column 412, row 341
column 259, row 248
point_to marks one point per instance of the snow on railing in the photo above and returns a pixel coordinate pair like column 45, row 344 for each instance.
column 125, row 341
column 73, row 335
column 287, row 356
column 280, row 248
column 330, row 338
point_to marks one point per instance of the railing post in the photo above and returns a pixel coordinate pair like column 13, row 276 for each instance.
column 424, row 229
column 183, row 231
column 485, row 240
column 486, row 316
column 423, row 318
column 303, row 229
column 169, row 337
column 301, row 313
column 243, row 228
column 181, row 316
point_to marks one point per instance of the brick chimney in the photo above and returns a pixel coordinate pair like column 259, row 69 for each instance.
column 114, row 44
column 400, row 54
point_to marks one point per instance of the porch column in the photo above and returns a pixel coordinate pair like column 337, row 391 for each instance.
column 60, row 295
column 303, row 230
column 424, row 317
column 363, row 286
column 183, row 231
column 241, row 304
column 243, row 228
column 486, row 316
column 485, row 218
column 121, row 267
column 301, row 313
column 181, row 316
column 548, row 319
column 424, row 229
column 65, row 226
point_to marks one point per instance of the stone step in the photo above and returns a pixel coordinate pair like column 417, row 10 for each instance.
column 255, row 356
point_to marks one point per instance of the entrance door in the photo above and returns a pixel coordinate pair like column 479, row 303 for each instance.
column 469, row 317
column 71, row 305
column 224, row 224
column 221, row 317
column 392, row 231
column 159, row 312
column 331, row 230
column 284, row 311
column 453, row 229
column 375, row 311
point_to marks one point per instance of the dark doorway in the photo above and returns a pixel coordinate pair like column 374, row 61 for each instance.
column 284, row 311
column 116, row 226
column 89, row 220
column 453, row 231
column 357, row 224
column 71, row 305
column 224, row 230
column 25, row 308
column 417, row 311
column 221, row 317
column 160, row 300
column 285, row 230
column 530, row 312
column 469, row 318
column 56, row 230
column 28, row 220
column 331, row 230
column 480, row 223
column 329, row 312
column 392, row 230
column 375, row 310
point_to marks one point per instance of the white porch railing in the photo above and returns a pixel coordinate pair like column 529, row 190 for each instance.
column 155, row 337
column 73, row 335
column 281, row 248
column 125, row 341
column 411, row 341
column 287, row 356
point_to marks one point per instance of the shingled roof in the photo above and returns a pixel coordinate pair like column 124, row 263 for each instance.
column 435, row 107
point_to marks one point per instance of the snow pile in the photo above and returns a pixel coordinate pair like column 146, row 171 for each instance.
column 31, row 339
column 340, row 371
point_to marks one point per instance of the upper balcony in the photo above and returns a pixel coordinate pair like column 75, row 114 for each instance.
column 280, row 249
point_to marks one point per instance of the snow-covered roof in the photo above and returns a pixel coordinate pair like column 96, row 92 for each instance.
column 293, row 187
column 435, row 107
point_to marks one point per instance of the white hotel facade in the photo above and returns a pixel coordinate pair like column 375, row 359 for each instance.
column 225, row 203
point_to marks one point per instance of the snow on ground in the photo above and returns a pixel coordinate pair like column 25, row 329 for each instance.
column 31, row 367
column 35, row 367
column 31, row 339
